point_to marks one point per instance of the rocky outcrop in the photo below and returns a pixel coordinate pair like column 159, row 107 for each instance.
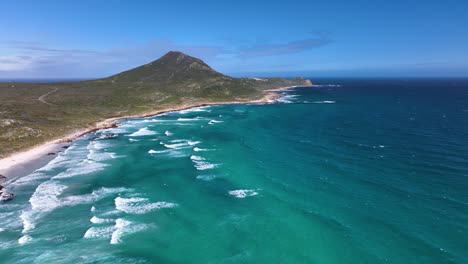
column 5, row 196
column 8, row 122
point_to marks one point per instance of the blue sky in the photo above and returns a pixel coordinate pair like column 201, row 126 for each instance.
column 375, row 38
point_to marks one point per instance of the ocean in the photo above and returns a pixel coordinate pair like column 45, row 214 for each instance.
column 347, row 171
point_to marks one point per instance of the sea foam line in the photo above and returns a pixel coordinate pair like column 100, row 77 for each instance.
column 242, row 193
column 324, row 102
column 46, row 199
column 214, row 122
column 196, row 149
column 201, row 164
column 143, row 132
column 138, row 205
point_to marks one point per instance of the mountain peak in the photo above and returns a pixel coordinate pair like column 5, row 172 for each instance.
column 171, row 66
column 179, row 58
column 174, row 55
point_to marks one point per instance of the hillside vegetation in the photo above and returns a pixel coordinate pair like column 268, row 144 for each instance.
column 31, row 113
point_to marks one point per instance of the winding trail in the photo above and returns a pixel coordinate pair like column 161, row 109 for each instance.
column 42, row 97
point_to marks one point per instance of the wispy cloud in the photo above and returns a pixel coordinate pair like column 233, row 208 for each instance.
column 14, row 63
column 35, row 46
column 39, row 59
column 55, row 50
column 285, row 48
column 36, row 59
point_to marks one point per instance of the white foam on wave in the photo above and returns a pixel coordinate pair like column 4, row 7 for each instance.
column 198, row 158
column 120, row 224
column 98, row 144
column 30, row 179
column 83, row 168
column 185, row 141
column 193, row 143
column 143, row 132
column 96, row 195
column 9, row 218
column 190, row 119
column 27, row 217
column 97, row 220
column 195, row 109
column 243, row 193
column 214, row 122
column 196, row 149
column 149, row 120
column 46, row 199
column 324, row 102
column 123, row 227
column 99, row 232
column 168, row 133
column 176, row 146
column 100, row 156
column 183, row 144
column 205, row 166
column 91, row 164
column 287, row 99
column 61, row 160
column 133, row 140
column 138, row 205
column 116, row 130
column 152, row 151
column 201, row 164
column 24, row 239
column 92, row 209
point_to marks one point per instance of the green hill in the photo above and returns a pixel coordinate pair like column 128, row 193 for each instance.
column 31, row 113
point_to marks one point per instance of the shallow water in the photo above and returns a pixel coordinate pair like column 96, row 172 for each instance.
column 350, row 171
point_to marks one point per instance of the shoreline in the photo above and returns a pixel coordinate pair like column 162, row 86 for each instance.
column 22, row 163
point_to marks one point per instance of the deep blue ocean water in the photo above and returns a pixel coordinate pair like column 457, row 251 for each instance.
column 348, row 171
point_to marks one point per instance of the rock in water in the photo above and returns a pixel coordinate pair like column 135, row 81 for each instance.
column 5, row 197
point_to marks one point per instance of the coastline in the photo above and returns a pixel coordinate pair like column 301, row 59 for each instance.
column 25, row 162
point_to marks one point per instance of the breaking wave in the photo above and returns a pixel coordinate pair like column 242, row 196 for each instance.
column 138, row 205
column 243, row 193
column 143, row 132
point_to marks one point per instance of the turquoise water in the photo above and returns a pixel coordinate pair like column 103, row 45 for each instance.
column 349, row 171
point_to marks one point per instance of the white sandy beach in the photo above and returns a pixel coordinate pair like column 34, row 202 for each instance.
column 22, row 163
